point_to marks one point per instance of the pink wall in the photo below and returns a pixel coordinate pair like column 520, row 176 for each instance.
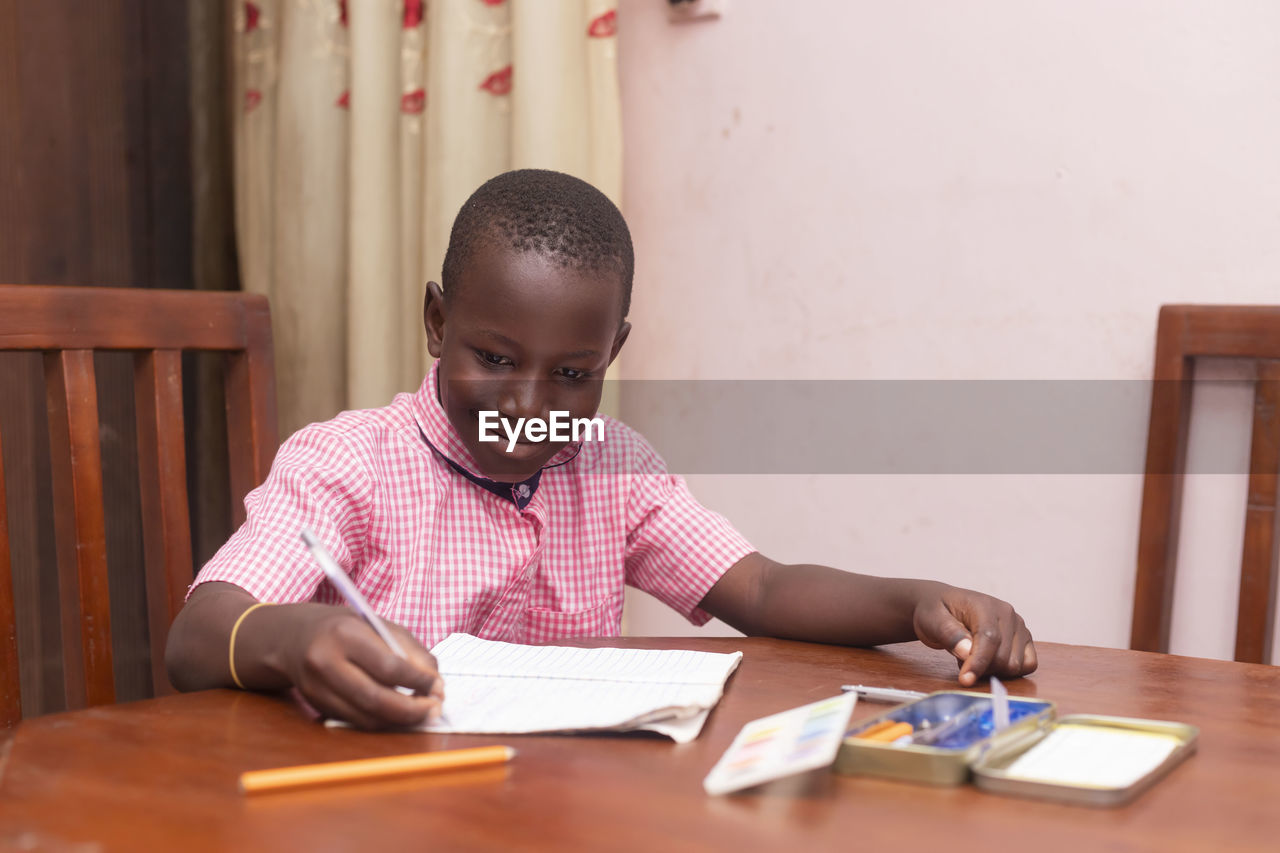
column 988, row 190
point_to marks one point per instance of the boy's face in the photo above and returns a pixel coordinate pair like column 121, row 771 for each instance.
column 522, row 336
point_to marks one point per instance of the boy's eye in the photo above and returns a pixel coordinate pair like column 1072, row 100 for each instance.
column 494, row 359
column 573, row 374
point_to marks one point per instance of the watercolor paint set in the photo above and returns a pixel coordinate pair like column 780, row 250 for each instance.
column 1015, row 745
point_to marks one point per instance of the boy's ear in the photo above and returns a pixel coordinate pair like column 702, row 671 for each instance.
column 619, row 339
column 433, row 317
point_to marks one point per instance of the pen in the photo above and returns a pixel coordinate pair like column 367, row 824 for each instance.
column 305, row 775
column 339, row 579
column 891, row 695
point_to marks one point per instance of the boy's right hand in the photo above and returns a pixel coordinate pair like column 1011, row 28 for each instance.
column 335, row 660
column 343, row 668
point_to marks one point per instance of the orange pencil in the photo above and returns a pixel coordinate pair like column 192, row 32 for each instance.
column 281, row 778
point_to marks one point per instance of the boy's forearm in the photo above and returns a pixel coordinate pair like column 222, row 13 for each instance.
column 330, row 654
column 197, row 655
column 816, row 603
column 825, row 605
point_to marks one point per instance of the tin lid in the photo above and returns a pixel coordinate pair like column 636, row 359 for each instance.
column 1085, row 759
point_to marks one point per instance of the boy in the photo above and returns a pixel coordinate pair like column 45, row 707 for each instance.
column 517, row 539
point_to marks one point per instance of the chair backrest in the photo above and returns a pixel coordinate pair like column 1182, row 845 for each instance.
column 1185, row 333
column 67, row 324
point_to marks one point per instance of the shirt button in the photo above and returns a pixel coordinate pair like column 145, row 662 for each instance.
column 523, row 490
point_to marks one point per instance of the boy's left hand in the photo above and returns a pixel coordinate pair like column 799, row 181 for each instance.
column 985, row 634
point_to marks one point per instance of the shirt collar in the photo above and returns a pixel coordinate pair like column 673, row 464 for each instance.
column 442, row 438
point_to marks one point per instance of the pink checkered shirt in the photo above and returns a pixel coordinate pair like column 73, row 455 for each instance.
column 439, row 553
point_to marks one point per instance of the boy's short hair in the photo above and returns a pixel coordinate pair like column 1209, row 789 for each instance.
column 556, row 215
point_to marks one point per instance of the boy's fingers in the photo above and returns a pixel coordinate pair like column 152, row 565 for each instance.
column 995, row 640
column 420, row 658
column 1013, row 665
column 347, row 693
column 416, row 672
column 939, row 628
column 354, row 674
column 1023, row 661
column 1014, row 654
column 1011, row 658
column 372, row 718
column 378, row 705
column 392, row 671
column 331, row 704
column 986, row 644
column 1029, row 658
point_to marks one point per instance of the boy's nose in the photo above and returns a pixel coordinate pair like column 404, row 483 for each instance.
column 523, row 398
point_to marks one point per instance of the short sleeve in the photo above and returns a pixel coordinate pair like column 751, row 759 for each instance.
column 676, row 548
column 315, row 482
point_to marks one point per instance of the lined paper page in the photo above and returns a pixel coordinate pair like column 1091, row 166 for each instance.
column 463, row 654
column 505, row 688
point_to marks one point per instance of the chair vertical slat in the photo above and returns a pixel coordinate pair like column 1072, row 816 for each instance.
column 10, row 687
column 251, row 409
column 162, row 481
column 1256, row 615
column 76, row 466
column 1162, row 487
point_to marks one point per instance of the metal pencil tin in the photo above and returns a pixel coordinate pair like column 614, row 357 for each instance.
column 991, row 770
column 948, row 761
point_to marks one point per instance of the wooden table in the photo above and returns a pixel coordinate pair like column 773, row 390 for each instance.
column 161, row 774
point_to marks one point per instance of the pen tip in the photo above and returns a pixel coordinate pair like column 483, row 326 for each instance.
column 308, row 537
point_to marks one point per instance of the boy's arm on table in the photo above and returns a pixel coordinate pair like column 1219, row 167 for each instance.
column 818, row 604
column 334, row 658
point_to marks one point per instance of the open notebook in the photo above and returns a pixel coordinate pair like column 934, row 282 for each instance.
column 505, row 688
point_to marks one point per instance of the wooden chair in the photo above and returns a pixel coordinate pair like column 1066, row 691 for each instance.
column 1185, row 333
column 67, row 324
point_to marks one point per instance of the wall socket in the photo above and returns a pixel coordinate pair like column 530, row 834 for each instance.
column 684, row 11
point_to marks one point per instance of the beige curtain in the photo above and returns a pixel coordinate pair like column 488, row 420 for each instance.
column 360, row 128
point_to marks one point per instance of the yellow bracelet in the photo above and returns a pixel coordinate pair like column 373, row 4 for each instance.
column 234, row 629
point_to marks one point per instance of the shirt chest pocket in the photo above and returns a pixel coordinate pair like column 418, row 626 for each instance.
column 603, row 619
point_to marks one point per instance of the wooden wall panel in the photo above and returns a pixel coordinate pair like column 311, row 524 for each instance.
column 168, row 249
column 11, row 254
column 215, row 267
